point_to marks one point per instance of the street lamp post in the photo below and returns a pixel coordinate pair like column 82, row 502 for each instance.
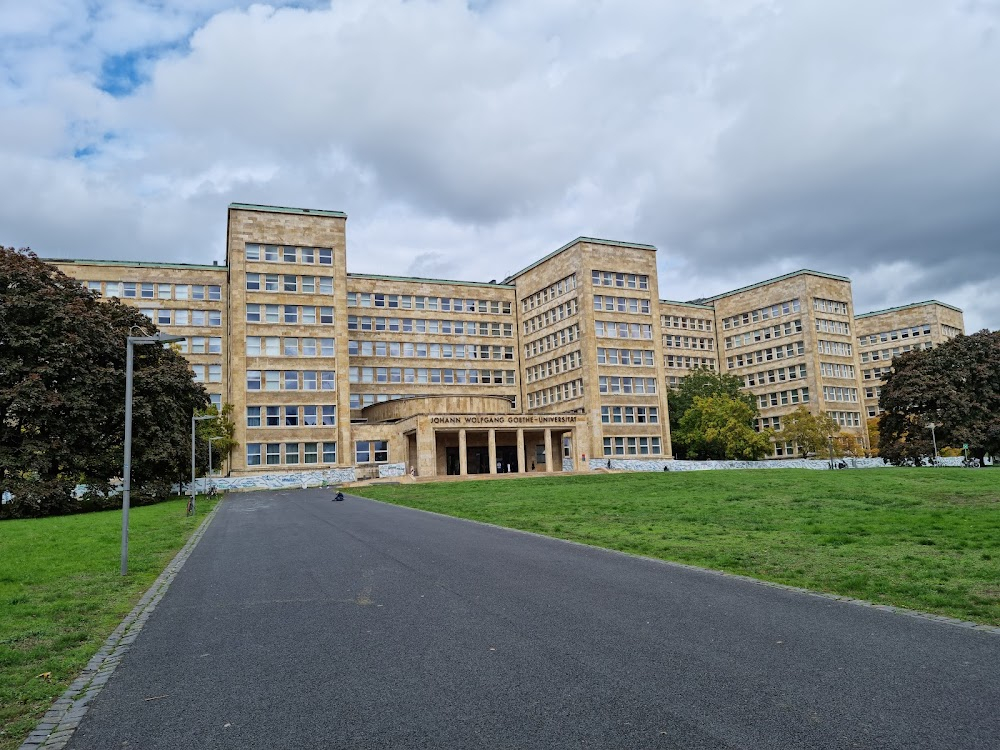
column 931, row 426
column 194, row 419
column 156, row 338
column 210, row 441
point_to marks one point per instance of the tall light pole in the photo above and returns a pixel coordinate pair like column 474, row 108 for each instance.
column 156, row 338
column 194, row 419
column 931, row 426
column 210, row 441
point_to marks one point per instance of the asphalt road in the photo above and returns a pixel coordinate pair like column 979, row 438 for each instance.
column 299, row 622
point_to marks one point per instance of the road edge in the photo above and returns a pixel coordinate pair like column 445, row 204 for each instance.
column 915, row 613
column 57, row 726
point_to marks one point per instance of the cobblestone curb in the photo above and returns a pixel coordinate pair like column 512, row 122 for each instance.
column 56, row 728
column 938, row 619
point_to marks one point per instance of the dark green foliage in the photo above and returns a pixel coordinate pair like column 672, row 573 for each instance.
column 956, row 386
column 702, row 383
column 62, row 395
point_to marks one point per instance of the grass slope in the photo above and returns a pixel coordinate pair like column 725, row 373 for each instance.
column 927, row 539
column 61, row 595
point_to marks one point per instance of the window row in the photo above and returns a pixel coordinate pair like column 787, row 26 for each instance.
column 615, row 330
column 151, row 290
column 553, row 367
column 446, row 376
column 632, row 446
column 833, row 326
column 836, row 393
column 207, row 373
column 290, row 346
column 555, row 394
column 274, row 282
column 682, row 321
column 200, row 345
column 551, row 316
column 764, row 334
column 309, row 315
column 873, row 391
column 830, row 306
column 550, row 292
column 630, row 415
column 838, row 348
column 361, row 400
column 292, row 416
column 624, row 384
column 371, row 451
column 876, row 373
column 629, row 357
column 553, row 340
column 198, row 318
column 280, row 254
column 795, row 349
column 294, row 453
column 621, row 304
column 767, row 423
column 688, row 362
column 620, row 280
column 894, row 335
column 429, row 325
column 688, row 342
column 420, row 302
column 888, row 354
column 762, row 313
column 779, row 375
column 783, row 398
column 291, row 380
column 836, row 370
column 431, row 351
column 846, row 418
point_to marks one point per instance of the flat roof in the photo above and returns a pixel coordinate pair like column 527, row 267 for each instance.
column 801, row 272
column 135, row 263
column 568, row 245
column 909, row 306
column 420, row 280
column 287, row 210
column 686, row 304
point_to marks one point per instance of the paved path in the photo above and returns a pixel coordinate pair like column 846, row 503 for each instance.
column 299, row 622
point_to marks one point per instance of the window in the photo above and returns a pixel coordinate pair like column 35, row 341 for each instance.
column 291, row 416
column 253, row 380
column 253, row 416
column 309, row 455
column 329, row 453
column 325, row 256
column 291, row 453
column 215, row 373
column 252, row 253
column 308, row 256
column 164, row 291
column 253, row 454
column 146, row 290
column 273, row 454
column 253, row 282
column 329, row 416
column 273, row 416
column 374, row 451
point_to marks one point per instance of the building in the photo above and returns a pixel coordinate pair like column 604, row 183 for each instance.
column 565, row 364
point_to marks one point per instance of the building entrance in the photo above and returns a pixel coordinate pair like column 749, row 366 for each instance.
column 478, row 460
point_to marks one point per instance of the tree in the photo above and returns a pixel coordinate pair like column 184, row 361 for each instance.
column 222, row 430
column 955, row 385
column 873, row 435
column 704, row 383
column 720, row 427
column 809, row 431
column 62, row 394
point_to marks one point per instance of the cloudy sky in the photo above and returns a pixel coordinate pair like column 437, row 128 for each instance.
column 466, row 138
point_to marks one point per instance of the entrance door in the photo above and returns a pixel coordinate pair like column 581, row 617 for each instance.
column 478, row 460
column 507, row 458
column 451, row 465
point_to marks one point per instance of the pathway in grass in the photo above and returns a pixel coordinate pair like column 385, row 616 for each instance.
column 927, row 539
column 61, row 595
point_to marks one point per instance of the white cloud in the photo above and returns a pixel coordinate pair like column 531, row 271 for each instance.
column 745, row 139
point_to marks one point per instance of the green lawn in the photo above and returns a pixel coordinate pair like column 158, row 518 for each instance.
column 61, row 595
column 927, row 539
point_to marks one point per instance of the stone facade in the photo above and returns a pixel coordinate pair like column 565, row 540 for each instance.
column 566, row 364
column 885, row 333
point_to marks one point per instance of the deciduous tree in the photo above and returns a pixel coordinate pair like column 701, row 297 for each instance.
column 703, row 383
column 62, row 393
column 719, row 427
column 809, row 431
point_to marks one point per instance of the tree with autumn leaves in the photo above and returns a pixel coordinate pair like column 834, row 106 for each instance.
column 956, row 386
column 62, row 394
